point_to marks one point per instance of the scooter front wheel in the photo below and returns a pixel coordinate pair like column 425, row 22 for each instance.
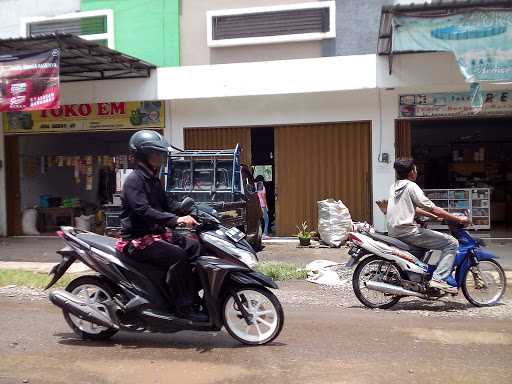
column 261, row 319
column 484, row 284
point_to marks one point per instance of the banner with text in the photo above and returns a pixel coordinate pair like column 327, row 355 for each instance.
column 454, row 104
column 110, row 116
column 480, row 40
column 29, row 82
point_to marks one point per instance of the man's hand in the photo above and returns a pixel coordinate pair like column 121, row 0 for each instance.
column 187, row 221
column 463, row 220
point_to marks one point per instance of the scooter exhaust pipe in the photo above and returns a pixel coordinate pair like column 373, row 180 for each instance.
column 392, row 289
column 74, row 305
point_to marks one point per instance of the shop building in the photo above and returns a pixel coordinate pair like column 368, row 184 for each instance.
column 326, row 114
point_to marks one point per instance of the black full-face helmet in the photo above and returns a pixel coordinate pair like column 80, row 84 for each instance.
column 144, row 142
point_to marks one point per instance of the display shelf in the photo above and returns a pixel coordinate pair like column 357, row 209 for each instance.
column 474, row 200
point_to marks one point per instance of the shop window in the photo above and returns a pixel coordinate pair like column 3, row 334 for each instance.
column 273, row 24
column 96, row 26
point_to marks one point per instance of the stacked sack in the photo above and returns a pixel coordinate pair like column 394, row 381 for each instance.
column 334, row 222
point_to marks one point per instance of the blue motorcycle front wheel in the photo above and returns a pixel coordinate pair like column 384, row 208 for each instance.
column 484, row 284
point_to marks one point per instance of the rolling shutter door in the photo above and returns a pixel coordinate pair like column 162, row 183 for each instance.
column 315, row 162
column 220, row 138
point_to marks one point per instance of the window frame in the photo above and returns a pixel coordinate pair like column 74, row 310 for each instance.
column 109, row 35
column 295, row 37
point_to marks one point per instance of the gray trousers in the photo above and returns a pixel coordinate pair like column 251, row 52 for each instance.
column 447, row 244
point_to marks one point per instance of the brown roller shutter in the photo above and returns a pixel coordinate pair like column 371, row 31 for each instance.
column 315, row 162
column 220, row 138
column 403, row 146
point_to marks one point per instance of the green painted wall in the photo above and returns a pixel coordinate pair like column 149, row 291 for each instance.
column 146, row 29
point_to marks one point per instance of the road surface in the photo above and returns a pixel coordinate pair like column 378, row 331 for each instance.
column 319, row 344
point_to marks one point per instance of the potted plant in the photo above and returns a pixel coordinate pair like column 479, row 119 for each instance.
column 304, row 235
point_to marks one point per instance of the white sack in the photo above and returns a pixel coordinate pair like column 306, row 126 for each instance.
column 85, row 223
column 29, row 221
column 334, row 222
column 323, row 272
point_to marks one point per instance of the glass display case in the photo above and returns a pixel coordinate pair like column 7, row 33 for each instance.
column 474, row 200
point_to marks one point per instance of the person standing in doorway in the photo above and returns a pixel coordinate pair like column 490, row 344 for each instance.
column 262, row 195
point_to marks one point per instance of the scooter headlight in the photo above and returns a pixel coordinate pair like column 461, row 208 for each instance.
column 246, row 257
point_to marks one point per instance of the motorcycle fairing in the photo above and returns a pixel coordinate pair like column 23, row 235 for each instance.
column 253, row 278
column 407, row 261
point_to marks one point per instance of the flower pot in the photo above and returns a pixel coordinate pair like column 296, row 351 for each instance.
column 304, row 241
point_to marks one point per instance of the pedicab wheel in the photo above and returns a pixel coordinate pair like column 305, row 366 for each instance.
column 487, row 287
column 371, row 268
column 267, row 316
column 93, row 290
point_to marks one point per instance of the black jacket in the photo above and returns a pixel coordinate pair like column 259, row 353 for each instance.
column 146, row 208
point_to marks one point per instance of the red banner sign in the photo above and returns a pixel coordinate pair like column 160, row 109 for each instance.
column 29, row 82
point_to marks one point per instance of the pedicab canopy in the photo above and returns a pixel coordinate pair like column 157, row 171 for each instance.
column 32, row 68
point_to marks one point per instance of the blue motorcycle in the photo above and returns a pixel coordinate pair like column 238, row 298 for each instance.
column 389, row 269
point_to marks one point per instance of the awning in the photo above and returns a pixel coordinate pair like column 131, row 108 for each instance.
column 81, row 60
column 434, row 9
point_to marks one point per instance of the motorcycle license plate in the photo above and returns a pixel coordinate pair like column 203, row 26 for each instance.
column 235, row 234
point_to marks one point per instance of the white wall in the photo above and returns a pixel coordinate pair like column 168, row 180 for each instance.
column 13, row 10
column 267, row 78
column 110, row 90
column 3, row 209
column 289, row 109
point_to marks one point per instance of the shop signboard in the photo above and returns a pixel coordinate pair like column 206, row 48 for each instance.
column 109, row 116
column 480, row 40
column 453, row 104
column 29, row 82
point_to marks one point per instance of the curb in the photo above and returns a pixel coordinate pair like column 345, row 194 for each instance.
column 80, row 268
column 40, row 267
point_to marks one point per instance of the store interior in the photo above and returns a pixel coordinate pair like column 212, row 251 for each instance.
column 466, row 164
column 262, row 150
column 71, row 179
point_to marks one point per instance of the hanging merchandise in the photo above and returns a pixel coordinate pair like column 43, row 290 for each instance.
column 88, row 183
column 77, row 169
column 43, row 165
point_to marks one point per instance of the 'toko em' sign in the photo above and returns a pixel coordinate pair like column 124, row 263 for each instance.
column 110, row 116
column 84, row 110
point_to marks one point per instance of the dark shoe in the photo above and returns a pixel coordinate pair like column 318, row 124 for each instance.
column 189, row 313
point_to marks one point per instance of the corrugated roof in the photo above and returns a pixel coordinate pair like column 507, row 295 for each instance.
column 80, row 59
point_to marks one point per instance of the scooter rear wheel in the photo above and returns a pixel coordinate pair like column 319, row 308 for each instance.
column 267, row 316
column 94, row 291
column 366, row 270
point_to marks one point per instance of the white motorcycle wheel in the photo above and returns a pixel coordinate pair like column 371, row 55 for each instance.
column 93, row 291
column 266, row 312
column 369, row 269
column 490, row 289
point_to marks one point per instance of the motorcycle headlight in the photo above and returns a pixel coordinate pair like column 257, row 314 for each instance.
column 246, row 257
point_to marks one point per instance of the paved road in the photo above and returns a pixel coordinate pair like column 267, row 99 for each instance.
column 319, row 344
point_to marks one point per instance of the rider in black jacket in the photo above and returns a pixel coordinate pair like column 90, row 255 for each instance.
column 148, row 219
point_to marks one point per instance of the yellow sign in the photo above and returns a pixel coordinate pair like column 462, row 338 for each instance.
column 88, row 117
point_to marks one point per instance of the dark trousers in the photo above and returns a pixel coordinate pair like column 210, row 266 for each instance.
column 175, row 257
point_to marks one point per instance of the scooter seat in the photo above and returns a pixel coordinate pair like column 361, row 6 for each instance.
column 103, row 243
column 395, row 242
